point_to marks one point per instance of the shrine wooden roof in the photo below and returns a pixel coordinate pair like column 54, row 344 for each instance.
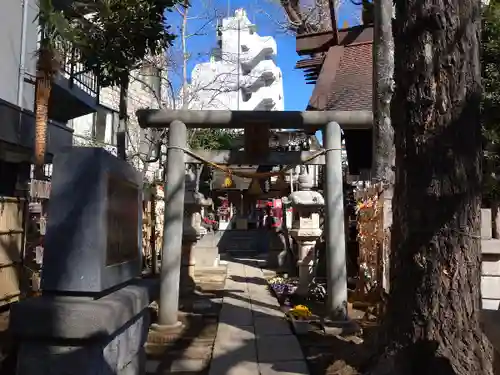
column 276, row 139
column 340, row 67
column 351, row 87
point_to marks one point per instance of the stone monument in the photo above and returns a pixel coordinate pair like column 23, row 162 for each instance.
column 192, row 230
column 92, row 317
column 93, row 235
column 306, row 205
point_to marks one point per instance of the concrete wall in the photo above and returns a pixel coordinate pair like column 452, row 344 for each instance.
column 106, row 122
column 10, row 47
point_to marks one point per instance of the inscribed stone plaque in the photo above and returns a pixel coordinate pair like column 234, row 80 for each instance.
column 93, row 229
column 123, row 221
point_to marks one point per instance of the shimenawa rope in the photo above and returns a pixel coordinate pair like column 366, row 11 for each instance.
column 251, row 175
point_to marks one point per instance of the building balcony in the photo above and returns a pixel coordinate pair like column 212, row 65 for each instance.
column 18, row 129
column 75, row 91
column 256, row 49
column 264, row 74
column 265, row 99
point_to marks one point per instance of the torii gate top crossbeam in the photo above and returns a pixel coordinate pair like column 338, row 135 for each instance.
column 308, row 120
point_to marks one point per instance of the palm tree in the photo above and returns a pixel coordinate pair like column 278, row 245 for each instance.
column 53, row 29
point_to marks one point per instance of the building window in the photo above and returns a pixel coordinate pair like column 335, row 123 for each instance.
column 245, row 95
column 268, row 81
column 112, row 120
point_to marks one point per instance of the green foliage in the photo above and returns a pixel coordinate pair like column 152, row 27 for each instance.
column 490, row 65
column 490, row 57
column 211, row 139
column 114, row 36
column 54, row 25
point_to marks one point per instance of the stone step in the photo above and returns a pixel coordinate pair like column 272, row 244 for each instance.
column 243, row 253
column 491, row 246
column 240, row 240
column 197, row 351
column 181, row 366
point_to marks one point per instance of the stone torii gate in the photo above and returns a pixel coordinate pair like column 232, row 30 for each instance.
column 256, row 125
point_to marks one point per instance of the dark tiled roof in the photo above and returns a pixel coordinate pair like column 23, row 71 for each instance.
column 310, row 61
column 352, row 88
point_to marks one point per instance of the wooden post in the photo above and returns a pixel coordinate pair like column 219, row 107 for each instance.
column 152, row 236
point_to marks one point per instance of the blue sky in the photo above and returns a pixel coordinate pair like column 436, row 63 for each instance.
column 267, row 15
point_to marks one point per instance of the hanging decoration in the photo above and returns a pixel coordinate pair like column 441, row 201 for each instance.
column 228, row 182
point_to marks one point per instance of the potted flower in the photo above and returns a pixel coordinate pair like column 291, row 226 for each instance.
column 282, row 288
column 300, row 317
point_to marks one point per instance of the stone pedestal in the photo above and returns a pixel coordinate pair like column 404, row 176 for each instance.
column 305, row 266
column 188, row 262
column 192, row 231
column 305, row 228
column 306, row 239
column 92, row 317
column 84, row 337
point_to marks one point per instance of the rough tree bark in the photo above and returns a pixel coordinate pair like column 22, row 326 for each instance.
column 383, row 88
column 121, row 134
column 383, row 132
column 432, row 322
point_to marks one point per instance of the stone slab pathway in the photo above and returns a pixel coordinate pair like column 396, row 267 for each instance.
column 253, row 337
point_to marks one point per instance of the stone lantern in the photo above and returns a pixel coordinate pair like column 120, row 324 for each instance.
column 305, row 228
column 192, row 230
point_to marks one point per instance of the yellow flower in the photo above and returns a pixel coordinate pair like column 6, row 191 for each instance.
column 300, row 311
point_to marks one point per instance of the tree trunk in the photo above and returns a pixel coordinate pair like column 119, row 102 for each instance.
column 121, row 134
column 185, row 56
column 383, row 132
column 432, row 322
column 42, row 90
column 383, row 88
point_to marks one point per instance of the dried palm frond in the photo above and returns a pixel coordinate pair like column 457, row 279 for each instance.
column 48, row 61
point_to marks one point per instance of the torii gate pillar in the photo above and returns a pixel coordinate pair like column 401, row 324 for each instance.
column 334, row 224
column 172, row 226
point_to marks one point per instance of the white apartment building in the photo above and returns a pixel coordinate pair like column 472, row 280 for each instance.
column 241, row 73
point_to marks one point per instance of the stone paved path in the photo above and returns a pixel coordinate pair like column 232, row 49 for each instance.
column 253, row 337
